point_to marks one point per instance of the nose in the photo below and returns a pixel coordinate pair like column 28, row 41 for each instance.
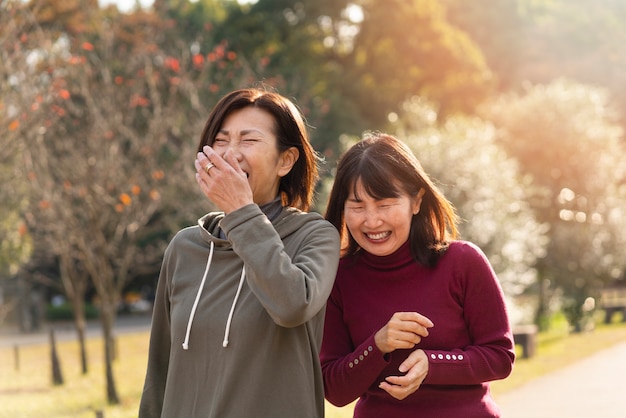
column 233, row 149
column 372, row 218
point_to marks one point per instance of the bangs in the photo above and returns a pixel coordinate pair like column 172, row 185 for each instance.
column 375, row 180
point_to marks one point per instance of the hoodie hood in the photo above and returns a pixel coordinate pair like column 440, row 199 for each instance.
column 209, row 226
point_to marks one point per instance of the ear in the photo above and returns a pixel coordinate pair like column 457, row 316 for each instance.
column 287, row 160
column 417, row 201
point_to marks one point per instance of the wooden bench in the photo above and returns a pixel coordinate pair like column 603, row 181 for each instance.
column 612, row 301
column 526, row 336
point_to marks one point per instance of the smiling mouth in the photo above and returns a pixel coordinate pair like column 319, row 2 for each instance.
column 378, row 236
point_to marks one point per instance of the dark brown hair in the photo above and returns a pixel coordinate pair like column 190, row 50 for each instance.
column 384, row 164
column 297, row 187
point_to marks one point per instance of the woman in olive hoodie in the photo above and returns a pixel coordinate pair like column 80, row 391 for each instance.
column 239, row 310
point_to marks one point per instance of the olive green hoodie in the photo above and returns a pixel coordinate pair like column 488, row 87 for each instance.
column 237, row 322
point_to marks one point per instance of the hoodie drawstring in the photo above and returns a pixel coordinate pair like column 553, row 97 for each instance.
column 232, row 308
column 195, row 303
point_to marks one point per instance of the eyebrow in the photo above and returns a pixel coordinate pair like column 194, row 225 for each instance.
column 244, row 132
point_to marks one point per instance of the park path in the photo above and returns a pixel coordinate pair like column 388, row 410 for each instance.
column 592, row 387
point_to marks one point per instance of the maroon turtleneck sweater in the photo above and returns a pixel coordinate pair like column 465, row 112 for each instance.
column 470, row 344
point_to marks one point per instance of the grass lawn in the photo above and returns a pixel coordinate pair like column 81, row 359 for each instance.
column 27, row 391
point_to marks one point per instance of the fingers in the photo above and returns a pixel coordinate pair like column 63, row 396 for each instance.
column 417, row 360
column 403, row 331
column 416, row 366
column 221, row 162
column 415, row 322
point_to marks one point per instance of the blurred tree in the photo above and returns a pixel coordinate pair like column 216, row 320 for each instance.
column 569, row 39
column 16, row 244
column 107, row 118
column 539, row 40
column 566, row 136
column 500, row 31
column 406, row 48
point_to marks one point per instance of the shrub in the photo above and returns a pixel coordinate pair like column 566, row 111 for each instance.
column 65, row 312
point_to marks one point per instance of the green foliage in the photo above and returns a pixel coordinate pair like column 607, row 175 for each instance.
column 64, row 312
column 406, row 48
column 539, row 41
column 566, row 138
column 15, row 242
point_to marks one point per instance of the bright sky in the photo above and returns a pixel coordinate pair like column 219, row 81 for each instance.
column 125, row 5
column 128, row 5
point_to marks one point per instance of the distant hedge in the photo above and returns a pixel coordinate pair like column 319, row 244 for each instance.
column 65, row 312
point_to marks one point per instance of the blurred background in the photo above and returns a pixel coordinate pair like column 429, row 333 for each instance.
column 517, row 108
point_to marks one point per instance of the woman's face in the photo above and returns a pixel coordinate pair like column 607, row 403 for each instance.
column 249, row 134
column 380, row 227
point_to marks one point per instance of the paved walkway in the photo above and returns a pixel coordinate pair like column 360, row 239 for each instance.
column 593, row 387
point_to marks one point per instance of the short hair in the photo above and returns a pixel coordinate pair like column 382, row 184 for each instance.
column 387, row 167
column 297, row 187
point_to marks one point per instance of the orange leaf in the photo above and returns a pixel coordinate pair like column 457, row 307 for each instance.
column 198, row 60
column 14, row 125
column 172, row 63
column 136, row 190
column 125, row 199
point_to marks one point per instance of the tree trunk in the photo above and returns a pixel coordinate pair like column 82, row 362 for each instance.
column 57, row 376
column 543, row 312
column 80, row 325
column 108, row 319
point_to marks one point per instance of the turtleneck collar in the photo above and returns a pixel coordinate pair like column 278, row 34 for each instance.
column 398, row 258
column 270, row 209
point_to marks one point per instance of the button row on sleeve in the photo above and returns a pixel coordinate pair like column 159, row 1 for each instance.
column 361, row 357
column 453, row 357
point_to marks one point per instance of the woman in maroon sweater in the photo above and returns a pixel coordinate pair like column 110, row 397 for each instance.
column 416, row 325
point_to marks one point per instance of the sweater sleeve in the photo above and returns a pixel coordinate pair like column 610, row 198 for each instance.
column 490, row 353
column 293, row 286
column 348, row 371
column 151, row 402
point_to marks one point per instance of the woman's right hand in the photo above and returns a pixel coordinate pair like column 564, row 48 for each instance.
column 404, row 330
column 225, row 183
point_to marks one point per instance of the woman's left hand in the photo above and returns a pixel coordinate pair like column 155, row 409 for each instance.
column 416, row 368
